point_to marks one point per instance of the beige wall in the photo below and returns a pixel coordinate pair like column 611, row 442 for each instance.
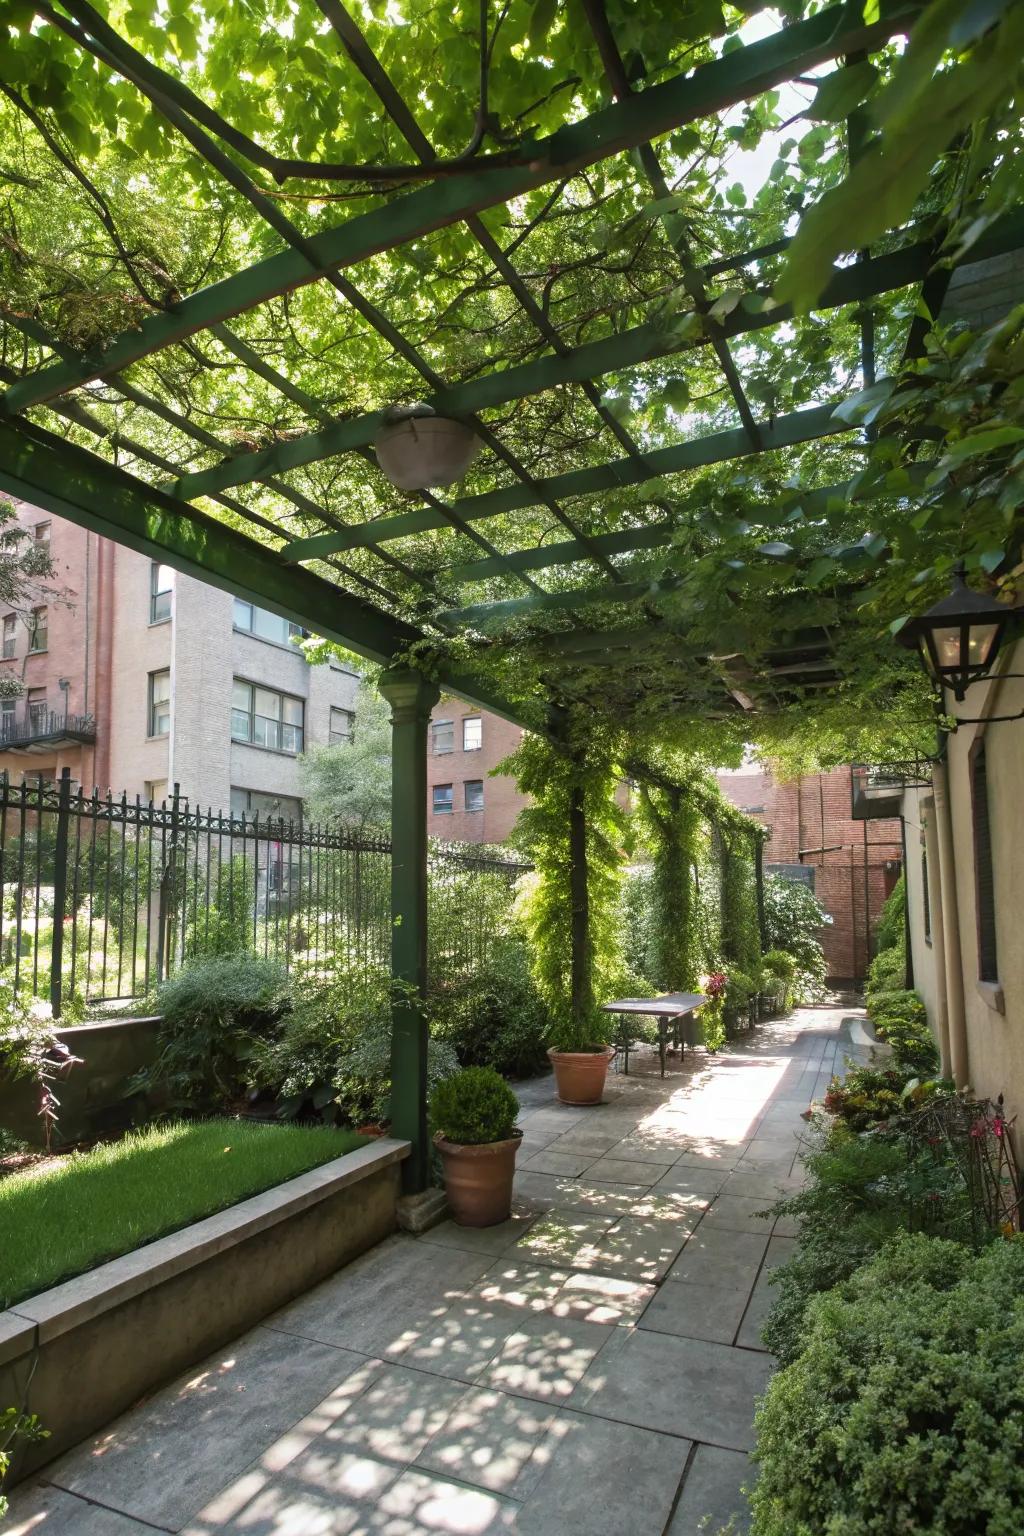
column 991, row 1054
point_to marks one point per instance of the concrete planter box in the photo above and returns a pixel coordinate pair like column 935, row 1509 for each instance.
column 81, row 1353
column 92, row 1100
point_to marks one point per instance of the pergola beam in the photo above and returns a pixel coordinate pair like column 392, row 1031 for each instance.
column 713, row 87
column 40, row 468
column 615, row 474
column 612, row 354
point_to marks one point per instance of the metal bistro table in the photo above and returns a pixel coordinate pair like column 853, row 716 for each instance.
column 669, row 1011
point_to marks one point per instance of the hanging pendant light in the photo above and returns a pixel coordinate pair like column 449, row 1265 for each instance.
column 958, row 637
column 417, row 449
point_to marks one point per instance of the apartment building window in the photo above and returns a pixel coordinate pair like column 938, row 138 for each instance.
column 246, row 804
column 159, row 719
column 264, row 625
column 443, row 802
column 38, row 634
column 10, row 635
column 161, row 586
column 442, row 735
column 474, row 794
column 926, row 901
column 265, row 718
column 156, row 790
column 42, row 533
column 342, row 722
column 472, row 733
column 988, row 969
column 36, row 709
column 7, row 713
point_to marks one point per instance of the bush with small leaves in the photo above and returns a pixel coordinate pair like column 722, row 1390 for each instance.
column 474, row 1107
column 904, row 1413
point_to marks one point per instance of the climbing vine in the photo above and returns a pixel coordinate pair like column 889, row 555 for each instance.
column 550, row 774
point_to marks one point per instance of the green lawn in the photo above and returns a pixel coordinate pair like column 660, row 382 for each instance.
column 93, row 1206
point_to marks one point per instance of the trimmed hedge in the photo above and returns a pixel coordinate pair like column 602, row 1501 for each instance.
column 904, row 1414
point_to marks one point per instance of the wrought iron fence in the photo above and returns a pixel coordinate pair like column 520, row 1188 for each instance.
column 102, row 897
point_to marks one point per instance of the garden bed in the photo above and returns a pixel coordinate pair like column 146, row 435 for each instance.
column 81, row 1352
column 78, row 1211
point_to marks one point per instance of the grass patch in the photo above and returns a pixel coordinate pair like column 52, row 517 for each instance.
column 94, row 1206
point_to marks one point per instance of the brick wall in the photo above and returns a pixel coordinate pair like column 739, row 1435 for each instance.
column 502, row 802
column 811, row 817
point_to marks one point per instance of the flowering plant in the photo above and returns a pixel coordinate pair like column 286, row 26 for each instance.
column 716, row 984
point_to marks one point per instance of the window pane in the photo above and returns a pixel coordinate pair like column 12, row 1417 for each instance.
column 241, row 695
column 267, row 703
column 472, row 733
column 269, row 626
column 292, row 710
column 241, row 725
column 42, row 533
column 340, row 727
column 161, row 687
column 443, row 735
column 243, row 614
column 442, row 798
column 38, row 638
column 474, row 794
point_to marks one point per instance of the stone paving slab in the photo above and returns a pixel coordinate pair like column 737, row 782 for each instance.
column 703, row 1391
column 530, row 1379
column 712, row 1494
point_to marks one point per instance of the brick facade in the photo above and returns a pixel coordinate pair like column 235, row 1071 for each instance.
column 851, row 865
column 458, row 766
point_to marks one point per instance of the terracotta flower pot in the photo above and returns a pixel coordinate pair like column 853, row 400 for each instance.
column 580, row 1075
column 478, row 1180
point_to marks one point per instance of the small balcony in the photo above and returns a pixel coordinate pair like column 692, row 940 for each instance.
column 38, row 730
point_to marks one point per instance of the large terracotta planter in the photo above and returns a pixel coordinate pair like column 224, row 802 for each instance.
column 478, row 1180
column 580, row 1075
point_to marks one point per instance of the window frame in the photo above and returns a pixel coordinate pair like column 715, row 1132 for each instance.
column 41, row 532
column 292, row 630
column 152, row 704
column 253, row 715
column 435, row 727
column 477, row 720
column 10, row 640
column 438, row 808
column 37, row 710
column 157, row 592
column 35, row 629
column 337, row 738
column 472, row 809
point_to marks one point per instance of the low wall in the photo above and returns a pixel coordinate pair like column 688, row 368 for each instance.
column 81, row 1353
column 92, row 1095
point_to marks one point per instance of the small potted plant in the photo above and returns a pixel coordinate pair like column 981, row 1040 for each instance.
column 580, row 1057
column 474, row 1114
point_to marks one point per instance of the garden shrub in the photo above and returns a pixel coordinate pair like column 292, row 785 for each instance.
column 363, row 1081
column 904, row 1412
column 861, row 1192
column 793, row 920
column 301, row 1064
column 900, row 1019
column 890, row 932
column 473, row 1107
column 887, row 971
column 215, row 1013
column 495, row 1017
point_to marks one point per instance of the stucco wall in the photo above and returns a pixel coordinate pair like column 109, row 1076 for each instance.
column 993, row 1015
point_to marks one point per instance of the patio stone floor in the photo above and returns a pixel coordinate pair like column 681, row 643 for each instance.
column 589, row 1368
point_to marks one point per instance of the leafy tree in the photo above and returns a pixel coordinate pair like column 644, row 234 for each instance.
column 350, row 784
column 793, row 920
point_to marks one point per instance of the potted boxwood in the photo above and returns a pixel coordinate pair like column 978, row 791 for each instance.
column 474, row 1114
column 580, row 1057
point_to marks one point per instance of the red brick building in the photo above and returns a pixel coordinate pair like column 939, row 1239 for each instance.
column 851, row 865
column 464, row 803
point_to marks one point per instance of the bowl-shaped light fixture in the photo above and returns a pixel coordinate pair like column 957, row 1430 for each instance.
column 418, row 449
column 959, row 636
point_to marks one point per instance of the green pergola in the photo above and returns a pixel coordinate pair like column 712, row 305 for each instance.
column 562, row 554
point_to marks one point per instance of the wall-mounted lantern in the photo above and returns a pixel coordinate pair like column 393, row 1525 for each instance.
column 958, row 637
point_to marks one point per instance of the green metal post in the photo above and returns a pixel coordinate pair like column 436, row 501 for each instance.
column 411, row 698
column 60, row 886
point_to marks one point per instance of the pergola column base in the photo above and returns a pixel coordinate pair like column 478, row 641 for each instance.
column 418, row 1213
